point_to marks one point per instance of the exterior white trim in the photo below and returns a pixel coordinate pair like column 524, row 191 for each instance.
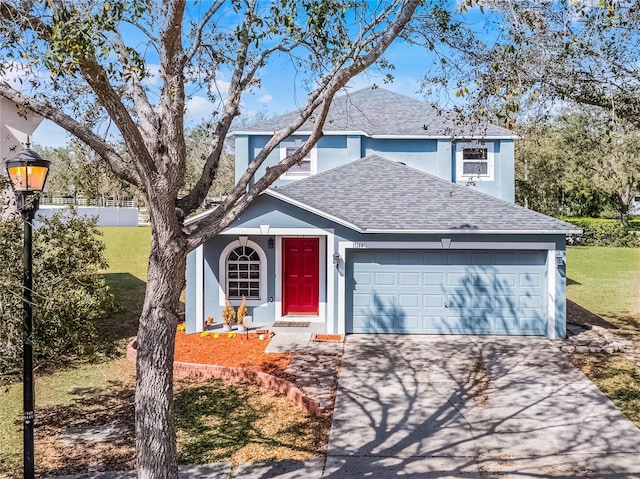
column 461, row 146
column 362, row 133
column 326, row 279
column 343, row 246
column 199, row 289
column 551, row 293
column 222, row 264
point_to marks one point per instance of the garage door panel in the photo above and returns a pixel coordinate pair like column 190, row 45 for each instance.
column 482, row 302
column 409, row 301
column 362, row 278
column 432, row 301
column 432, row 258
column 457, row 257
column 505, row 280
column 530, row 279
column 478, row 324
column 457, row 279
column 432, row 279
column 455, row 292
column 384, row 279
column 529, row 301
column 505, row 302
column 409, row 279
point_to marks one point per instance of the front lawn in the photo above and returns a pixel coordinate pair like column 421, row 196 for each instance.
column 606, row 281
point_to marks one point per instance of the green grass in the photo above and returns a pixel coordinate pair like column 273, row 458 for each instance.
column 59, row 389
column 606, row 281
column 127, row 252
column 617, row 377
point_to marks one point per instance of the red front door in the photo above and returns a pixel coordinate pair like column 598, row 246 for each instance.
column 300, row 268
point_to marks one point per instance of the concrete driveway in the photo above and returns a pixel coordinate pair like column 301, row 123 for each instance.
column 462, row 406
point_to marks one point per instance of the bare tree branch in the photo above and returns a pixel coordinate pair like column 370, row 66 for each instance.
column 239, row 198
column 215, row 6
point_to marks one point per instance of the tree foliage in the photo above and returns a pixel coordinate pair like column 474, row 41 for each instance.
column 70, row 294
column 569, row 51
column 574, row 166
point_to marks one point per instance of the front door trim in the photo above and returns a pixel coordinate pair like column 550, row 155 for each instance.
column 309, row 301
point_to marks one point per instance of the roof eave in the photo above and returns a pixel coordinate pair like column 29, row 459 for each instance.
column 311, row 209
column 382, row 137
column 476, row 231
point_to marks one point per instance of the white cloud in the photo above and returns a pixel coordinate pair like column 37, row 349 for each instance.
column 198, row 109
column 265, row 99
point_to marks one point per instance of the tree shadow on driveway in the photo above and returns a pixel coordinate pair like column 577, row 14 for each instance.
column 472, row 406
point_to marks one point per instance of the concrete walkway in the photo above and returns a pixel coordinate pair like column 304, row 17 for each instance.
column 481, row 407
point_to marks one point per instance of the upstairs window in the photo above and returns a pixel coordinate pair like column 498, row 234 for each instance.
column 306, row 167
column 474, row 161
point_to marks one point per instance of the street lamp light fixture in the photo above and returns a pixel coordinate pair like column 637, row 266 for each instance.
column 28, row 174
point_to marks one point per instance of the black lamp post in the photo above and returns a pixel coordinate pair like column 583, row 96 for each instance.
column 28, row 173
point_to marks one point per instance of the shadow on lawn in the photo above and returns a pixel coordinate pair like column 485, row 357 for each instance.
column 64, row 443
column 576, row 314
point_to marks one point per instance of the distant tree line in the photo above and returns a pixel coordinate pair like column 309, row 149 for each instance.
column 578, row 164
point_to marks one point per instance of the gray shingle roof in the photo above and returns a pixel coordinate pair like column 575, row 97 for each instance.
column 380, row 112
column 374, row 194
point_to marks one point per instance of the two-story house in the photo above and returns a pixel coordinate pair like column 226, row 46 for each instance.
column 400, row 220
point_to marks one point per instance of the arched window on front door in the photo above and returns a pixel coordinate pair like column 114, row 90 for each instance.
column 243, row 273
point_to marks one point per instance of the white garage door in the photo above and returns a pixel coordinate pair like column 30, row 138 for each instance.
column 447, row 292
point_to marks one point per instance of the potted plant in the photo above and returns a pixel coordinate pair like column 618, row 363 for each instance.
column 228, row 315
column 242, row 312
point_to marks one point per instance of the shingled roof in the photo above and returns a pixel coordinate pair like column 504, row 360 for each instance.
column 377, row 112
column 376, row 195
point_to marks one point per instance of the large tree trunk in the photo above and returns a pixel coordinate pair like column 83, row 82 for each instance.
column 155, row 424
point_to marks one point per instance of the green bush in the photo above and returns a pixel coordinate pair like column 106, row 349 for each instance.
column 603, row 232
column 70, row 294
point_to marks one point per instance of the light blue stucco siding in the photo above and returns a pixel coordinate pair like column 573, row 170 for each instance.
column 433, row 156
column 278, row 214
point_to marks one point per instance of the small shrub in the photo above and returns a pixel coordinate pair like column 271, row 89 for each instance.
column 70, row 294
column 216, row 335
column 228, row 313
column 231, row 335
column 242, row 310
column 181, row 327
column 204, row 334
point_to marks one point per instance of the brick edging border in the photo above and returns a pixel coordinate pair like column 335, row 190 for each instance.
column 269, row 381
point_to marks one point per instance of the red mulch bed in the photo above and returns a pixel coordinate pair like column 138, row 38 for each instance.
column 243, row 350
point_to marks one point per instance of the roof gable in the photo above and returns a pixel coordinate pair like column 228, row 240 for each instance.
column 377, row 112
column 376, row 195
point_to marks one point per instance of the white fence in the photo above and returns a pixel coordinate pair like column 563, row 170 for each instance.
column 86, row 202
column 106, row 216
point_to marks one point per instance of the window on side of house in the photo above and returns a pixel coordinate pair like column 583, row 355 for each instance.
column 243, row 273
column 474, row 161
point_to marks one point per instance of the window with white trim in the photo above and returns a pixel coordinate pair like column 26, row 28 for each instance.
column 243, row 273
column 306, row 166
column 474, row 161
